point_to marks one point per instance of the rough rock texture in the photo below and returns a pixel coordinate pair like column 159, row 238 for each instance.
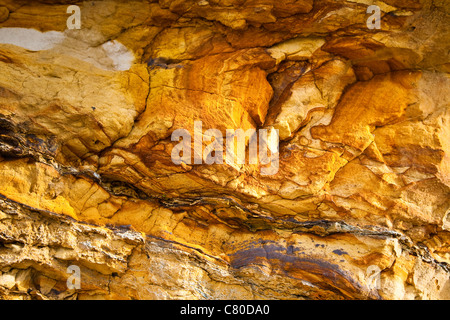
column 86, row 117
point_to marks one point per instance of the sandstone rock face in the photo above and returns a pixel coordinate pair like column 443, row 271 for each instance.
column 358, row 208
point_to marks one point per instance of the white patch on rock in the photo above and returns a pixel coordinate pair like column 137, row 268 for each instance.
column 295, row 49
column 111, row 55
column 120, row 55
column 30, row 39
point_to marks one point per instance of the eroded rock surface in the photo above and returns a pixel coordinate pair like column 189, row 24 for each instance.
column 358, row 209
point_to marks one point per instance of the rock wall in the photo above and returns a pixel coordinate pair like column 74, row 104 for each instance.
column 358, row 208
